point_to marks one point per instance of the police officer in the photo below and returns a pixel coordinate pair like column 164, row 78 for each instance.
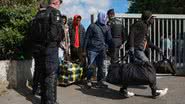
column 46, row 50
column 36, row 76
column 118, row 35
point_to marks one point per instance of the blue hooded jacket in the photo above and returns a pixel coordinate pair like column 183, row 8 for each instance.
column 102, row 18
column 98, row 35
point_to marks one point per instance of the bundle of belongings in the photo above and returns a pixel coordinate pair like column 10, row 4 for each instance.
column 165, row 66
column 132, row 73
column 137, row 73
column 69, row 73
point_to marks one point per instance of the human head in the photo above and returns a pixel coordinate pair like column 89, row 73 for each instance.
column 110, row 13
column 42, row 6
column 64, row 19
column 55, row 3
column 102, row 18
column 77, row 20
column 147, row 17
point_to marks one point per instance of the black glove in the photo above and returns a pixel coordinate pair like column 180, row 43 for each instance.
column 131, row 53
column 84, row 53
column 160, row 52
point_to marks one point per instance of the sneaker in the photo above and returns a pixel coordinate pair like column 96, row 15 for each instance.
column 88, row 84
column 127, row 94
column 101, row 84
column 160, row 93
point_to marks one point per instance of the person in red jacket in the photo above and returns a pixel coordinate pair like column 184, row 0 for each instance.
column 77, row 34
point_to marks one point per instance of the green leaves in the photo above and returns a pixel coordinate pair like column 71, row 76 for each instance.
column 157, row 6
column 14, row 21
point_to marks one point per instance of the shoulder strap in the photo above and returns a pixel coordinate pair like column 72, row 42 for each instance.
column 101, row 29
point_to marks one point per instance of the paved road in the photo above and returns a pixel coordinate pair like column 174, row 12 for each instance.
column 76, row 95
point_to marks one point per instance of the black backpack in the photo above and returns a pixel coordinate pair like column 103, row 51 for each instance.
column 40, row 26
column 37, row 37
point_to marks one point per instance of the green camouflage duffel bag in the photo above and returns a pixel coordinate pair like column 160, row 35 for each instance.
column 69, row 73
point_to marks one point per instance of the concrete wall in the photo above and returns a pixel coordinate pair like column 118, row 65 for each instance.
column 15, row 74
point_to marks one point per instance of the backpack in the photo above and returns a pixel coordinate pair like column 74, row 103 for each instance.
column 40, row 26
column 37, row 37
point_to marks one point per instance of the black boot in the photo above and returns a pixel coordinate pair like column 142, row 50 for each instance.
column 49, row 90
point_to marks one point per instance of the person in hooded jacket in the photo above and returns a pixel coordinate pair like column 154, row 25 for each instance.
column 97, row 39
column 137, row 44
column 76, row 33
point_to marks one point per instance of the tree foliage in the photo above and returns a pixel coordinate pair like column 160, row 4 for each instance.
column 14, row 18
column 157, row 6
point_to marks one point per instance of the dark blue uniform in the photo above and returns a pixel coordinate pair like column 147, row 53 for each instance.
column 45, row 52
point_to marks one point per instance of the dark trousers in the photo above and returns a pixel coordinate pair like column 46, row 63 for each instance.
column 141, row 57
column 117, row 42
column 76, row 55
column 95, row 59
column 47, row 63
column 114, row 55
column 37, row 74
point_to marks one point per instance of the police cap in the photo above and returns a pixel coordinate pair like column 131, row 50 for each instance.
column 110, row 11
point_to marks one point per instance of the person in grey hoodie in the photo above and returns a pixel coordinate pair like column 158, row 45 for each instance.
column 97, row 39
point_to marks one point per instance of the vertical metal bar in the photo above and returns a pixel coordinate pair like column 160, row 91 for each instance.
column 132, row 21
column 150, row 32
column 179, row 40
column 183, row 43
column 171, row 38
column 128, row 23
column 124, row 24
column 175, row 41
column 159, row 33
column 167, row 38
column 154, row 35
column 92, row 18
column 163, row 35
column 128, row 27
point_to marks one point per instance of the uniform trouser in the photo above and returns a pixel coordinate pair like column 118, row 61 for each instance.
column 95, row 59
column 140, row 56
column 115, row 49
column 48, row 65
column 114, row 55
column 36, row 75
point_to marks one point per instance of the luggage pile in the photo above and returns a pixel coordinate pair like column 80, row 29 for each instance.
column 69, row 73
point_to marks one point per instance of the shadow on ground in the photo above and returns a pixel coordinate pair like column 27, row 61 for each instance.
column 110, row 93
column 27, row 93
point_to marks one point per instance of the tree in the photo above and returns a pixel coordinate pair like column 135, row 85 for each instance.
column 15, row 16
column 157, row 6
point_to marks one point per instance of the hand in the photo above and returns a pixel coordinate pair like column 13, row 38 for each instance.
column 122, row 46
column 160, row 52
column 131, row 53
column 83, row 53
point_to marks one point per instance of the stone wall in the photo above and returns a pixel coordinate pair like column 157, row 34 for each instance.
column 15, row 74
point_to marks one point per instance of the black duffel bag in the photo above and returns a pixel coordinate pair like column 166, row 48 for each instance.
column 114, row 74
column 165, row 66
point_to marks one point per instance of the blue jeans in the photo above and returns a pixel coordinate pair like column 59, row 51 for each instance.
column 95, row 59
column 140, row 55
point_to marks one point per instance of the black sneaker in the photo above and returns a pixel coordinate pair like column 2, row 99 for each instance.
column 160, row 93
column 126, row 93
column 101, row 84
